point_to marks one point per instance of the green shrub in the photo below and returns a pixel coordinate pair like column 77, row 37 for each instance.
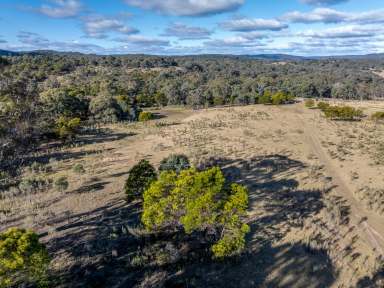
column 34, row 184
column 145, row 116
column 265, row 98
column 67, row 127
column 282, row 97
column 23, row 259
column 309, row 103
column 140, row 177
column 323, row 106
column 198, row 201
column 78, row 168
column 175, row 162
column 345, row 113
column 61, row 183
column 378, row 116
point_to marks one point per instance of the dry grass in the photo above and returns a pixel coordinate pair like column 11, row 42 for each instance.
column 296, row 213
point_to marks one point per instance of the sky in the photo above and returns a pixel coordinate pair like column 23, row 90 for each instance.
column 179, row 27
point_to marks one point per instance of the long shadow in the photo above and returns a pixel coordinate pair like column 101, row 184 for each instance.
column 90, row 137
column 106, row 236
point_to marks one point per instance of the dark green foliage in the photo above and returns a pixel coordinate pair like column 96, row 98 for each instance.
column 140, row 177
column 105, row 109
column 174, row 162
column 61, row 184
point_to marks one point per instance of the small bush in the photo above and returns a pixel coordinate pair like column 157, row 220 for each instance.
column 37, row 167
column 61, row 183
column 78, row 168
column 34, row 184
column 145, row 116
column 67, row 127
column 345, row 113
column 23, row 259
column 378, row 116
column 282, row 97
column 323, row 105
column 175, row 162
column 140, row 177
column 309, row 103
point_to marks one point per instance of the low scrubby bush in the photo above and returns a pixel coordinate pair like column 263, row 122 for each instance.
column 23, row 259
column 345, row 113
column 61, row 183
column 309, row 103
column 145, row 116
column 78, row 168
column 378, row 116
column 67, row 128
column 140, row 177
column 323, row 105
column 34, row 184
column 198, row 201
column 174, row 162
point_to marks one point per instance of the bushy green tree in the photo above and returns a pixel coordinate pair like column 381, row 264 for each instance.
column 198, row 201
column 105, row 108
column 23, row 259
column 140, row 177
column 174, row 162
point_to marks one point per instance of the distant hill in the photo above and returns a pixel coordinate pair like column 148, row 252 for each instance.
column 265, row 57
column 8, row 53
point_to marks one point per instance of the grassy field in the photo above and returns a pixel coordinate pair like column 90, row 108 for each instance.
column 316, row 199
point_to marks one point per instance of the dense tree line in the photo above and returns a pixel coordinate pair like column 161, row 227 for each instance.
column 48, row 95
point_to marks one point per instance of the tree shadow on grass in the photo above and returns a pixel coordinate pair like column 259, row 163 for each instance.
column 107, row 236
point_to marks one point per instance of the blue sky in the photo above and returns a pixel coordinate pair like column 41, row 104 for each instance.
column 176, row 27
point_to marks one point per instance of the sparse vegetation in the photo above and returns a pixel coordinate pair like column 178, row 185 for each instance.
column 175, row 162
column 61, row 183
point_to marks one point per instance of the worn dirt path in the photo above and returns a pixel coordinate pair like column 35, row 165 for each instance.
column 369, row 223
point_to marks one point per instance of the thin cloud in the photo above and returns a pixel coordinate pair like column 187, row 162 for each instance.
column 98, row 27
column 188, row 7
column 323, row 2
column 184, row 32
column 327, row 15
column 140, row 40
column 61, row 8
column 256, row 24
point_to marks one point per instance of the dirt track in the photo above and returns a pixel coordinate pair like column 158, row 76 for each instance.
column 370, row 224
